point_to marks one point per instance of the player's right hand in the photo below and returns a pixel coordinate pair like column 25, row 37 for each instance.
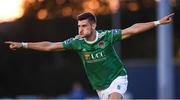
column 14, row 45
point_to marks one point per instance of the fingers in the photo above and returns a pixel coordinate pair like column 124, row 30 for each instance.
column 8, row 42
column 11, row 45
column 170, row 15
column 168, row 18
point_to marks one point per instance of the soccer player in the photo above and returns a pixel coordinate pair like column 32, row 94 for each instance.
column 102, row 65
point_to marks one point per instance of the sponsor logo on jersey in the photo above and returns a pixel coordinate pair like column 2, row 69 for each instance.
column 96, row 57
column 86, row 56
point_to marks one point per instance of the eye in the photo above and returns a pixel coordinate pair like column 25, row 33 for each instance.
column 84, row 25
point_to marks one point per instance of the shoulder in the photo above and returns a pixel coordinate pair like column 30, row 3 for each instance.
column 110, row 35
column 73, row 40
column 73, row 43
column 107, row 33
column 78, row 38
column 102, row 33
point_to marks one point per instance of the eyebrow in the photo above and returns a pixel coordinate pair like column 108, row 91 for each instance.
column 82, row 25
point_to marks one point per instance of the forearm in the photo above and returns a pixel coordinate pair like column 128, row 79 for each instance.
column 138, row 28
column 43, row 46
column 141, row 27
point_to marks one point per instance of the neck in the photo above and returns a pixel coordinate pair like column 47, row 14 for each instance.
column 92, row 36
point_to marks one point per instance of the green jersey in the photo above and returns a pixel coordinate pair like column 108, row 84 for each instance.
column 102, row 64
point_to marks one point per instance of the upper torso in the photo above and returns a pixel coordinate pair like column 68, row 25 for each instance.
column 101, row 63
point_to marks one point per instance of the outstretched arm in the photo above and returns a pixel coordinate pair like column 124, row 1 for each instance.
column 141, row 27
column 40, row 46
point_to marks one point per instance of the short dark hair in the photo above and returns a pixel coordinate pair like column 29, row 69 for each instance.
column 87, row 15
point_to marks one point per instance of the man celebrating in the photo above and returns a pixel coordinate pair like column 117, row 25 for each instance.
column 102, row 65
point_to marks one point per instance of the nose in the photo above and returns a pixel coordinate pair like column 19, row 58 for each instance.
column 80, row 30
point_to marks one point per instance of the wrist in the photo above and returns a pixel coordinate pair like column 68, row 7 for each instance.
column 24, row 45
column 156, row 23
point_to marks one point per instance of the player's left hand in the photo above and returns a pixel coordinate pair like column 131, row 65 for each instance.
column 167, row 19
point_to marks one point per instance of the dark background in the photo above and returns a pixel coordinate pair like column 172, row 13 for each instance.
column 28, row 72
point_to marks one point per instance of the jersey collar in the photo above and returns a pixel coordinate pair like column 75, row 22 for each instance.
column 91, row 42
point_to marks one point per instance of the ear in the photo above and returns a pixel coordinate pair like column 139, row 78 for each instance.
column 94, row 26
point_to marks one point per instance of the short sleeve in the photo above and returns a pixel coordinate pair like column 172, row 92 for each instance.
column 67, row 44
column 116, row 35
column 72, row 43
column 113, row 35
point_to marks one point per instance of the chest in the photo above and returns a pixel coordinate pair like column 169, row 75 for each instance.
column 97, row 51
column 98, row 46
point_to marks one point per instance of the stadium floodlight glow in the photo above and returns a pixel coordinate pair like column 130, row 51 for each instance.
column 157, row 0
column 11, row 10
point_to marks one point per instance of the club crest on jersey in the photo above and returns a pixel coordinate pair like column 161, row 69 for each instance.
column 101, row 44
